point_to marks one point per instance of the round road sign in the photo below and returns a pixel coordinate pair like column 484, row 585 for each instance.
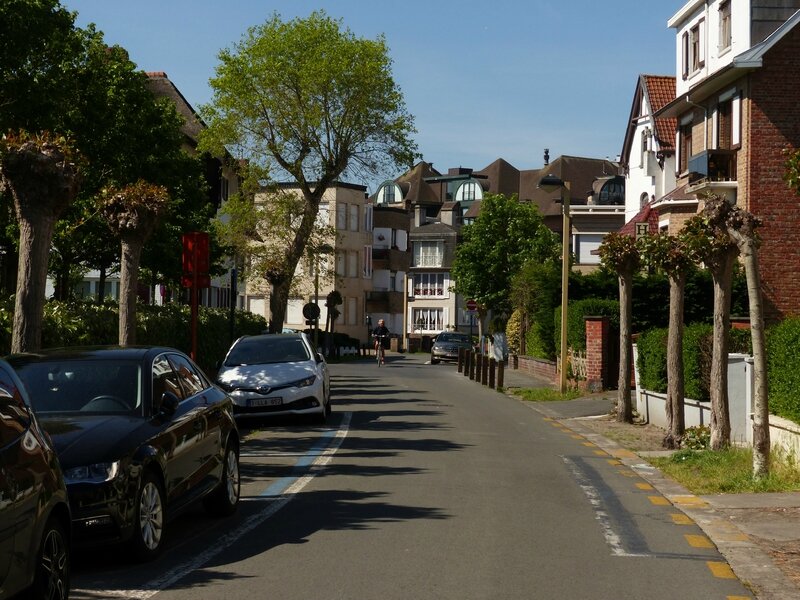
column 472, row 305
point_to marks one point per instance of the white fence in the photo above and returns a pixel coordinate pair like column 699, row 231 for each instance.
column 784, row 434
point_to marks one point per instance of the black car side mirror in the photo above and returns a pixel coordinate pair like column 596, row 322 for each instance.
column 169, row 404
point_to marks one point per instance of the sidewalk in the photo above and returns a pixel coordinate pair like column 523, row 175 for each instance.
column 758, row 534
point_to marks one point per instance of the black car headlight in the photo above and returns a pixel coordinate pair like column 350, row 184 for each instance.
column 307, row 381
column 96, row 473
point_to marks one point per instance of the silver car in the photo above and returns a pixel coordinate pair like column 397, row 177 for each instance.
column 447, row 344
column 276, row 374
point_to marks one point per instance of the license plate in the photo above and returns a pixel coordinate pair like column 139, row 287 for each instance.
column 256, row 402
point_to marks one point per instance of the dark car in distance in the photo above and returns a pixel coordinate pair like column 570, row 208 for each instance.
column 447, row 344
column 34, row 510
column 140, row 433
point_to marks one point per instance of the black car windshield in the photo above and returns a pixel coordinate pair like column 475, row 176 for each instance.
column 83, row 386
column 453, row 337
column 260, row 351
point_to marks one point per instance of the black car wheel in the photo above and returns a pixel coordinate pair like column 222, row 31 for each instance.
column 225, row 497
column 51, row 580
column 149, row 524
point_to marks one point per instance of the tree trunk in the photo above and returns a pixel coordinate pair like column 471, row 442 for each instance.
column 675, row 383
column 34, row 244
column 128, row 284
column 624, row 404
column 718, row 387
column 761, row 440
column 278, row 300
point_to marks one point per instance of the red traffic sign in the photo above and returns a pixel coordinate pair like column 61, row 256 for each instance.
column 472, row 305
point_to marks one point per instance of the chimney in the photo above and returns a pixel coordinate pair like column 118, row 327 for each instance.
column 420, row 215
column 546, row 156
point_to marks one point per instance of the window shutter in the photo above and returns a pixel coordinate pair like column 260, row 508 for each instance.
column 446, row 314
column 736, row 121
column 678, row 150
column 715, row 129
column 447, row 285
column 701, row 46
column 685, row 54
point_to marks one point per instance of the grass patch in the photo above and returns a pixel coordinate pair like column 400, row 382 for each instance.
column 545, row 394
column 728, row 471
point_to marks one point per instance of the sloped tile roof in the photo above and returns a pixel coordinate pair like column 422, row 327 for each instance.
column 502, row 177
column 660, row 90
column 161, row 86
column 648, row 214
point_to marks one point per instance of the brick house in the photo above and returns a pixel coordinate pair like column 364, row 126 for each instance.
column 736, row 112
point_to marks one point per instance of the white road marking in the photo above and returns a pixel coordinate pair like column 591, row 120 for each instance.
column 276, row 498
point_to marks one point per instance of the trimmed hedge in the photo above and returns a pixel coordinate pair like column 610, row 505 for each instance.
column 697, row 353
column 576, row 320
column 783, row 364
column 86, row 324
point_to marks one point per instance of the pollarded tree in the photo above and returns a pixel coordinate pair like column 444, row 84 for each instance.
column 670, row 255
column 717, row 251
column 132, row 213
column 308, row 99
column 493, row 250
column 741, row 226
column 41, row 174
column 619, row 253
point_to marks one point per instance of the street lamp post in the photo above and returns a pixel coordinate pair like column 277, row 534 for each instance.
column 551, row 183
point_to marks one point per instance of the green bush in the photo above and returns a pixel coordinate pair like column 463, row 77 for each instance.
column 783, row 364
column 576, row 320
column 68, row 324
column 651, row 359
column 697, row 355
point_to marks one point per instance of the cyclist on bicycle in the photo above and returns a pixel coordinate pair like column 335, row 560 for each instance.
column 381, row 335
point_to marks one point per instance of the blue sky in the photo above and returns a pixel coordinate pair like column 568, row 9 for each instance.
column 484, row 80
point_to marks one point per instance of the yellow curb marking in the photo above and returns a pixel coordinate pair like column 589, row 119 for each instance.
column 739, row 598
column 600, row 453
column 627, row 473
column 577, row 437
column 614, row 462
column 698, row 541
column 721, row 570
column 658, row 500
column 733, row 537
column 644, row 486
column 548, row 419
column 689, row 500
column 589, row 444
column 623, row 453
column 681, row 519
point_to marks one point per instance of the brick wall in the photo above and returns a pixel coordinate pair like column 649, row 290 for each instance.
column 773, row 122
column 538, row 367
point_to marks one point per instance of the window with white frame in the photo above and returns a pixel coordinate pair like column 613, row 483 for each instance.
column 352, row 264
column 586, row 243
column 725, row 25
column 428, row 254
column 428, row 319
column 367, row 262
column 353, row 217
column 368, row 217
column 341, row 264
column 468, row 192
column 341, row 216
column 693, row 53
column 430, row 284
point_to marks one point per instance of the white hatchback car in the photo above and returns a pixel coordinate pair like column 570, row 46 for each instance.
column 276, row 374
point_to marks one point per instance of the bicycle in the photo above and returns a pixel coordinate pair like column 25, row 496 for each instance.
column 380, row 351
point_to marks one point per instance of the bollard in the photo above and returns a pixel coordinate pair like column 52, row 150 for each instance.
column 485, row 370
column 492, row 364
column 473, row 368
column 460, row 359
column 500, row 373
column 466, row 363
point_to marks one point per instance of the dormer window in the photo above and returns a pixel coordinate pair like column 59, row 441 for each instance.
column 469, row 191
column 389, row 193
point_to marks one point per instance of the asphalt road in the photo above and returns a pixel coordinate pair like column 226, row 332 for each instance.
column 425, row 485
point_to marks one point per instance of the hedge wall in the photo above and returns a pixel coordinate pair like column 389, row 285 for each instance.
column 783, row 363
column 86, row 324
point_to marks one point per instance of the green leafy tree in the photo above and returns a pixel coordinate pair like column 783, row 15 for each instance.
column 506, row 234
column 309, row 100
column 620, row 254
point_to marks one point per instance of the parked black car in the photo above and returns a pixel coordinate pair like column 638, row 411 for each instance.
column 140, row 432
column 34, row 511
